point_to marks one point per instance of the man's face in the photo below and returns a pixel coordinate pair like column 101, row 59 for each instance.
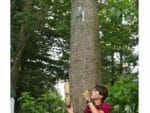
column 95, row 94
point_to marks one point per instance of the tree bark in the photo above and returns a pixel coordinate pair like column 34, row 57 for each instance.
column 85, row 54
column 112, row 69
column 16, row 63
column 121, row 60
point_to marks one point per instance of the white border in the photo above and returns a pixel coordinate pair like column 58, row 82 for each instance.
column 4, row 56
column 144, row 59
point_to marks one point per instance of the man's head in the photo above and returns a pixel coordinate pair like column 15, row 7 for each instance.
column 99, row 92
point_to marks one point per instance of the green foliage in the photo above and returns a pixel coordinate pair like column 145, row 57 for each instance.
column 49, row 102
column 44, row 59
column 123, row 95
column 118, row 22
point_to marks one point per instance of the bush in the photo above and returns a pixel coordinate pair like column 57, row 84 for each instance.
column 50, row 102
column 123, row 96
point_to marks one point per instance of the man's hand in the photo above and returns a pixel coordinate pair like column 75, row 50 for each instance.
column 69, row 109
column 86, row 94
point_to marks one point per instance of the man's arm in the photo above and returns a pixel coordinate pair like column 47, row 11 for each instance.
column 93, row 108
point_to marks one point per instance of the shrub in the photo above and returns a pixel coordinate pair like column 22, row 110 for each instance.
column 50, row 102
column 123, row 96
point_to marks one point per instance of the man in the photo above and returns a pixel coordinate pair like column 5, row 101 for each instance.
column 95, row 102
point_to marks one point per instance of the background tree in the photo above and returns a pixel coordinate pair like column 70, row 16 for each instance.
column 119, row 37
column 43, row 58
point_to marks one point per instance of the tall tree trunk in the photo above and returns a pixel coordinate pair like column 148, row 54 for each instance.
column 16, row 63
column 85, row 53
column 121, row 60
column 112, row 69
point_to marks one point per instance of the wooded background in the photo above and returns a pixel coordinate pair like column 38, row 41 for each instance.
column 52, row 40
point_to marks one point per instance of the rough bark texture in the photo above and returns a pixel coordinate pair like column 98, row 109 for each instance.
column 85, row 54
